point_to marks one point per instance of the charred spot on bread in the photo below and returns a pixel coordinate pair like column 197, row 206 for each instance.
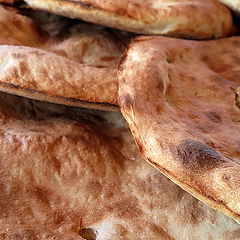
column 88, row 233
column 197, row 156
column 215, row 117
column 237, row 97
column 126, row 100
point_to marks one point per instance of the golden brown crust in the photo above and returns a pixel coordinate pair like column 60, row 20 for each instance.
column 181, row 101
column 172, row 18
column 77, row 66
column 46, row 76
column 84, row 179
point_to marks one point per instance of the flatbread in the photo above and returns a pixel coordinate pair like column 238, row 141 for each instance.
column 79, row 176
column 180, row 99
column 232, row 4
column 56, row 79
column 75, row 61
column 171, row 17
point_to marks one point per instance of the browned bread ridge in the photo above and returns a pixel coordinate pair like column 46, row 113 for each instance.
column 69, row 174
column 181, row 101
column 45, row 76
column 69, row 62
column 197, row 19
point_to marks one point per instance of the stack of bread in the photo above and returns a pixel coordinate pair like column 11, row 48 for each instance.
column 119, row 120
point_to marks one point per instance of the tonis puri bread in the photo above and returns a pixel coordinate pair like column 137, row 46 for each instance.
column 73, row 173
column 180, row 99
column 198, row 19
column 69, row 62
column 79, row 176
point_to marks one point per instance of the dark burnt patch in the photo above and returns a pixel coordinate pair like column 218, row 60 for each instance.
column 126, row 101
column 197, row 156
column 88, row 234
column 170, row 58
column 215, row 117
column 43, row 195
column 159, row 84
column 237, row 97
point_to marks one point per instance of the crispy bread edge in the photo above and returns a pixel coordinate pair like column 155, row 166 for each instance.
column 42, row 96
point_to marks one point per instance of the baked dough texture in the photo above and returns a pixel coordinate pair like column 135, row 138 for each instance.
column 181, row 101
column 197, row 19
column 59, row 60
column 71, row 174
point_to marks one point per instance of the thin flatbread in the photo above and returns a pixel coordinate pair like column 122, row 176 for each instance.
column 69, row 62
column 180, row 99
column 45, row 76
column 164, row 17
column 79, row 176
